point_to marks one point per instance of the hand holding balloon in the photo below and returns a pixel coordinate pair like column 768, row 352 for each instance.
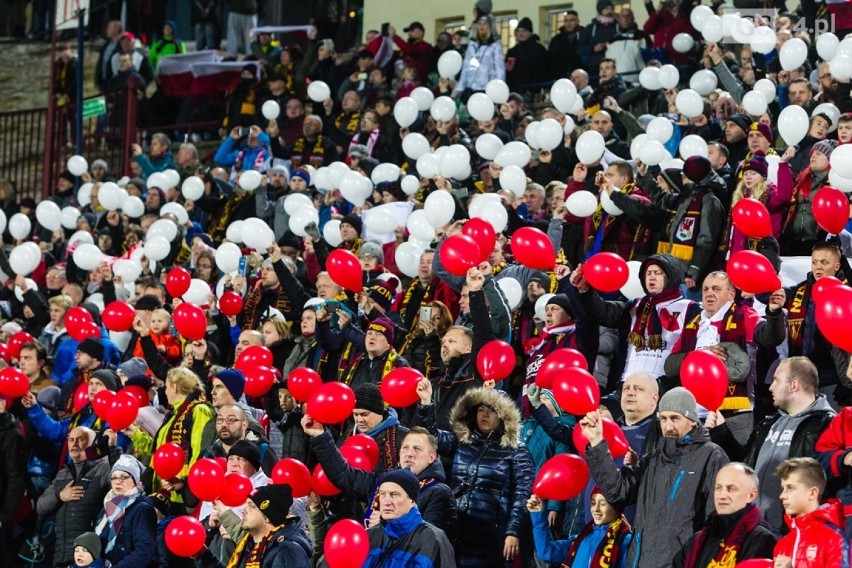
column 777, row 300
column 475, row 279
column 592, row 428
column 578, row 281
column 534, row 504
column 714, row 419
column 311, row 427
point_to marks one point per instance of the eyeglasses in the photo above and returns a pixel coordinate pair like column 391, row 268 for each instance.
column 229, row 421
column 203, row 266
column 119, row 478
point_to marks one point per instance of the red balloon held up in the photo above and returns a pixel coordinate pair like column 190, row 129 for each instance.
column 332, row 403
column 532, row 248
column 235, row 490
column 833, row 314
column 138, row 393
column 302, row 383
column 399, row 387
column 118, row 316
column 168, row 460
column 231, row 304
column 822, row 285
column 344, row 269
column 254, row 356
column 346, row 544
column 831, row 209
column 75, row 320
column 576, row 391
column 752, row 272
column 562, row 477
column 496, row 360
column 704, row 375
column 258, row 380
column 102, row 403
column 13, row 383
column 322, row 485
column 606, row 272
column 615, row 438
column 365, row 444
column 4, row 353
column 185, row 536
column 555, row 363
column 459, row 253
column 206, row 478
column 81, row 397
column 356, row 458
column 178, row 281
column 482, row 232
column 190, row 321
column 123, row 410
column 294, row 473
column 86, row 331
column 751, row 218
column 13, row 347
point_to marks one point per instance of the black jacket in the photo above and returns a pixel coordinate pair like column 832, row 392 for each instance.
column 759, row 543
column 289, row 548
column 529, row 67
column 13, row 467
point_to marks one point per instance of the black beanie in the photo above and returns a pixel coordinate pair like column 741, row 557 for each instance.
column 93, row 347
column 247, row 450
column 109, row 378
column 368, row 397
column 405, row 479
column 274, row 501
column 563, row 302
column 355, row 221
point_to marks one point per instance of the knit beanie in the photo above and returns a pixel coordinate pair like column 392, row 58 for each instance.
column 756, row 163
column 150, row 419
column 355, row 221
column 373, row 248
column 91, row 542
column 301, row 173
column 130, row 465
column 368, row 397
column 740, row 120
column 234, row 381
column 763, row 129
column 825, row 147
column 133, row 367
column 247, row 450
column 603, row 4
column 382, row 294
column 696, row 168
column 93, row 347
column 405, row 479
column 384, row 326
column 563, row 302
column 274, row 501
column 681, row 401
column 109, row 378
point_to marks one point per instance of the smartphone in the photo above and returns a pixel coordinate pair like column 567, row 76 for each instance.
column 425, row 314
column 332, row 306
column 244, row 131
column 385, row 28
column 362, row 76
column 242, row 266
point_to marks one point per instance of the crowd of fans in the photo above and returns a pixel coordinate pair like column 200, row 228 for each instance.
column 327, row 243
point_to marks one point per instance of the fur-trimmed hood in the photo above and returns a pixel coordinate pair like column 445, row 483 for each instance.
column 463, row 416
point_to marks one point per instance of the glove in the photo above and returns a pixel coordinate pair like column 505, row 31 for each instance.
column 534, row 395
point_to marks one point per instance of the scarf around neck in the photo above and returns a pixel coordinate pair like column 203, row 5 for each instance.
column 732, row 541
column 649, row 322
column 115, row 506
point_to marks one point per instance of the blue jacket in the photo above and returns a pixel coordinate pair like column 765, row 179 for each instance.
column 64, row 364
column 409, row 542
column 541, row 446
column 57, row 430
column 151, row 165
column 556, row 551
column 227, row 153
column 136, row 543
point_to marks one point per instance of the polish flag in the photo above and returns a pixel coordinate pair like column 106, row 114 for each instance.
column 200, row 73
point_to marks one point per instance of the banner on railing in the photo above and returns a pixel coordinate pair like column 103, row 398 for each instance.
column 200, row 73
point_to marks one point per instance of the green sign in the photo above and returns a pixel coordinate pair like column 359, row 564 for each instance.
column 94, row 107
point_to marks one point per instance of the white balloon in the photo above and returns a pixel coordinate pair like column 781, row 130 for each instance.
column 410, row 185
column 250, row 180
column 331, row 233
column 550, row 134
column 48, row 215
column 689, row 103
column 669, row 76
column 682, row 42
column 793, row 124
column 81, row 237
column 765, row 87
column 405, row 111
column 844, row 48
column 121, row 339
column 829, row 109
column 297, row 222
column 31, row 285
column 840, row 182
column 318, row 91
column 563, row 95
column 25, row 258
column 841, row 67
column 172, row 178
column 669, row 164
column 569, row 125
column 454, row 161
column 77, row 165
column 335, row 173
column 193, row 188
column 793, row 53
column 110, row 196
column 228, row 257
column 514, row 153
column 590, row 147
column 419, row 227
column 480, row 107
column 514, row 179
column 581, row 203
column 609, row 206
column 128, row 270
column 320, row 179
column 176, row 209
column 381, row 220
column 443, row 108
column 649, row 78
column 729, row 22
column 198, row 293
column 87, row 256
column 270, row 110
column 633, row 290
column 693, row 145
column 826, row 46
column 512, row 290
column 712, row 29
column 20, row 226
column 638, row 142
column 234, row 232
column 531, row 135
column 257, row 234
column 488, row 145
column 385, row 172
column 423, row 96
column 477, row 205
column 163, row 228
column 84, row 194
column 540, row 304
column 133, row 207
column 157, row 179
column 415, row 145
column 293, row 202
column 703, row 82
column 439, row 208
column 744, row 32
column 763, row 39
column 841, row 160
column 407, row 256
column 659, row 129
column 68, row 217
column 449, row 64
column 652, row 152
column 497, row 90
column 754, row 103
column 493, row 212
column 427, row 166
column 699, row 15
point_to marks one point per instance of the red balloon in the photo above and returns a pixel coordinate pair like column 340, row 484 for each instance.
column 177, row 281
column 496, row 360
column 293, row 473
column 562, row 477
column 75, row 320
column 460, row 253
column 4, row 353
column 356, row 458
column 231, row 303
column 123, row 411
column 555, row 363
column 118, row 316
column 822, row 285
column 258, row 380
column 87, row 330
column 344, row 269
column 254, row 356
column 13, row 383
column 236, row 490
column 704, row 375
column 752, row 272
column 532, row 248
column 482, row 232
column 138, row 393
column 81, row 397
column 576, row 391
column 756, row 563
column 365, row 444
column 168, row 460
column 606, row 272
column 346, row 544
column 206, row 479
column 399, row 387
column 322, row 485
column 17, row 340
column 618, row 445
column 833, row 314
column 102, row 403
column 190, row 321
column 185, row 536
column 303, row 382
column 831, row 209
column 751, row 218
column 332, row 403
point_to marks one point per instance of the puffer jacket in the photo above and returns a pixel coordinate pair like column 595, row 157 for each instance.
column 672, row 488
column 816, row 539
column 136, row 542
column 491, row 476
column 409, row 542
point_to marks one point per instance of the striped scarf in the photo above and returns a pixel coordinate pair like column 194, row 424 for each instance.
column 114, row 508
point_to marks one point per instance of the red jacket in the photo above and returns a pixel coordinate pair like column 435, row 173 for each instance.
column 816, row 540
column 664, row 27
column 834, row 443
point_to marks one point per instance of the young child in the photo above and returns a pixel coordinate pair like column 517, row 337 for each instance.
column 816, row 538
column 602, row 542
column 167, row 344
column 87, row 551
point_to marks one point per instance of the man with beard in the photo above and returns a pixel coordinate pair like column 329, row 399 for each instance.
column 233, row 424
column 278, row 288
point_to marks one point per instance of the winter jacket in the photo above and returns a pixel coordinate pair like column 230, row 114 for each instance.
column 563, row 51
column 13, row 467
column 227, row 154
column 483, row 62
column 816, row 539
column 556, row 551
column 672, row 488
column 664, row 26
column 491, row 476
column 165, row 557
column 526, row 65
column 136, row 542
column 626, row 49
column 831, row 449
column 409, row 542
column 290, row 547
column 154, row 163
column 594, row 33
